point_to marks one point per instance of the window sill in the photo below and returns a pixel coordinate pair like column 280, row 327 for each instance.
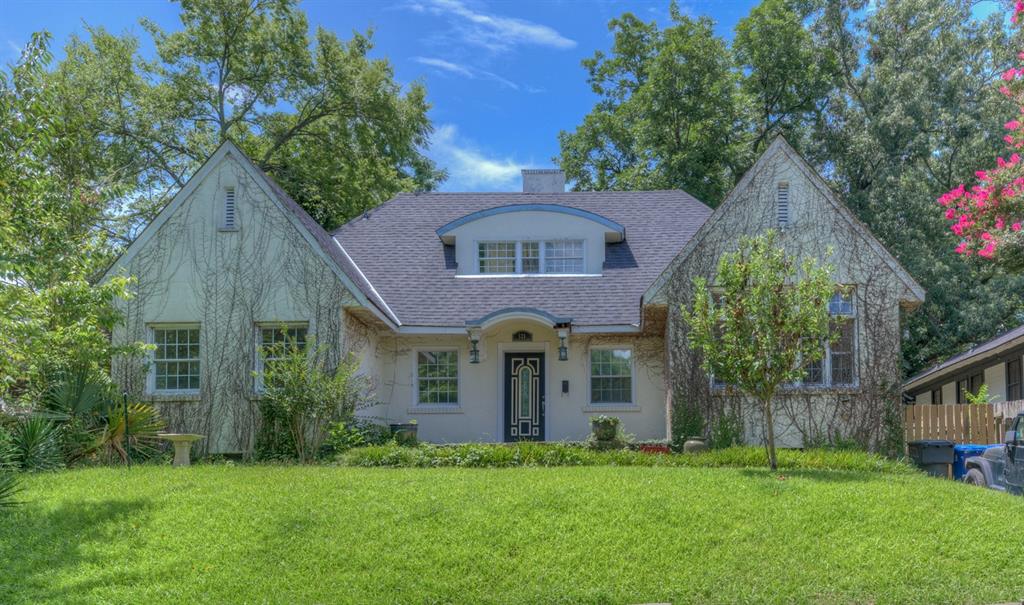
column 611, row 407
column 185, row 396
column 434, row 409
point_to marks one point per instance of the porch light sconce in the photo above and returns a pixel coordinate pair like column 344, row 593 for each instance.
column 474, row 351
column 563, row 351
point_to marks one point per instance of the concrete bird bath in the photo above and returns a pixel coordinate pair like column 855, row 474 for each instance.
column 182, row 446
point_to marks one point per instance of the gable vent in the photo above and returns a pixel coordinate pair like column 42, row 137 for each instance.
column 782, row 204
column 230, row 218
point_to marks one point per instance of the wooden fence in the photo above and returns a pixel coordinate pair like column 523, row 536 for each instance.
column 961, row 423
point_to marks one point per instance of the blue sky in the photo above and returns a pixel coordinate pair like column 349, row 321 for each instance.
column 504, row 77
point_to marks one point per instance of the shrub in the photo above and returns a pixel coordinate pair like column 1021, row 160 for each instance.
column 36, row 444
column 303, row 399
column 9, row 489
column 343, row 436
column 687, row 421
column 477, row 455
column 726, row 430
column 92, row 419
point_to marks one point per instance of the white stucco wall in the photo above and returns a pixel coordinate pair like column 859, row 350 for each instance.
column 816, row 229
column 480, row 415
column 528, row 226
column 189, row 271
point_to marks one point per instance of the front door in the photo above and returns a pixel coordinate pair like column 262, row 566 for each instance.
column 524, row 397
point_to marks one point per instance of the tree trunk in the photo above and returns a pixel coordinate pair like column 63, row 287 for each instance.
column 769, row 443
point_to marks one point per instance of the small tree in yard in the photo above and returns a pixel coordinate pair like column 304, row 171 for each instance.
column 763, row 321
column 305, row 397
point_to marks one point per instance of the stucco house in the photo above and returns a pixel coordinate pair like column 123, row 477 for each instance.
column 494, row 316
column 995, row 363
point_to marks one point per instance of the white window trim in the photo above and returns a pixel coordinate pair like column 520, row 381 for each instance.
column 542, row 257
column 621, row 406
column 437, row 408
column 151, row 371
column 258, row 360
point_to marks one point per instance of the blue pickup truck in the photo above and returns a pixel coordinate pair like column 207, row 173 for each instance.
column 1001, row 467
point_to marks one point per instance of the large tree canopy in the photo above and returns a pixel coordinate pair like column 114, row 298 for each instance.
column 914, row 114
column 667, row 115
column 327, row 122
column 896, row 105
column 51, row 317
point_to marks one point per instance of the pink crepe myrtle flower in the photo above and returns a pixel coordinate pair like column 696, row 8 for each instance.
column 1009, row 74
column 988, row 251
column 1012, row 125
column 961, row 248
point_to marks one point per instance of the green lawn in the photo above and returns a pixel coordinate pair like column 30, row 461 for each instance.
column 265, row 534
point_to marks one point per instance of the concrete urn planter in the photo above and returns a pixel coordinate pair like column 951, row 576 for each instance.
column 695, row 445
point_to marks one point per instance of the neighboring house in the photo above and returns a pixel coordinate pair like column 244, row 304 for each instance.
column 491, row 316
column 995, row 363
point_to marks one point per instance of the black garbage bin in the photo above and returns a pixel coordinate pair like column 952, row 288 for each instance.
column 934, row 456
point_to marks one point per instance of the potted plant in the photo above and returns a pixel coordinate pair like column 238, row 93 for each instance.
column 654, row 446
column 404, row 432
column 604, row 428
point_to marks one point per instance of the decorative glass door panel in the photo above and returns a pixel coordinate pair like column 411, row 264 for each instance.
column 524, row 397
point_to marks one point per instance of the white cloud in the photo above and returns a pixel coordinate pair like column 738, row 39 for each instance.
column 494, row 32
column 468, row 168
column 465, row 71
column 443, row 65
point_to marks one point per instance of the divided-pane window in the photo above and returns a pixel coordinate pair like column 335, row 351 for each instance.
column 176, row 359
column 276, row 342
column 437, row 378
column 611, row 376
column 531, row 257
column 841, row 353
column 1013, row 380
column 497, row 257
column 815, row 373
column 563, row 256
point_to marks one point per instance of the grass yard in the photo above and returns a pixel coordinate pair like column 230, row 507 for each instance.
column 289, row 534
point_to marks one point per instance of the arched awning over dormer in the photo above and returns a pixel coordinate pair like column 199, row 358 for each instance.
column 613, row 231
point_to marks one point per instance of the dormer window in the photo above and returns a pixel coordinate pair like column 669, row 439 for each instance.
column 562, row 257
column 498, row 257
column 229, row 212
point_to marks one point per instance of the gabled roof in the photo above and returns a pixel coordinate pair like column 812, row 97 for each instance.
column 322, row 243
column 780, row 146
column 396, row 247
column 990, row 348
